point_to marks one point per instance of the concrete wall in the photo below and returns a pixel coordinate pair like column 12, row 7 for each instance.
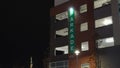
column 116, row 19
column 109, row 57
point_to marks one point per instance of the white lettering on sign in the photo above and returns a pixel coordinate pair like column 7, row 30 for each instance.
column 71, row 36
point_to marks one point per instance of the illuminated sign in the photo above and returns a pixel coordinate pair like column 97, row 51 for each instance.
column 71, row 15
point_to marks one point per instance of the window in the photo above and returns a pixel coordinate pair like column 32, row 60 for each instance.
column 84, row 26
column 103, row 22
column 85, row 65
column 83, row 8
column 62, row 16
column 84, row 46
column 61, row 50
column 105, row 42
column 100, row 3
column 59, row 64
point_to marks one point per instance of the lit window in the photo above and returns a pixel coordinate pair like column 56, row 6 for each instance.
column 61, row 50
column 84, row 27
column 85, row 65
column 106, row 42
column 83, row 8
column 103, row 22
column 84, row 46
column 59, row 64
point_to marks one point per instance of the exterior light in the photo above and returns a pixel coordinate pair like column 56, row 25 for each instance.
column 71, row 11
column 77, row 52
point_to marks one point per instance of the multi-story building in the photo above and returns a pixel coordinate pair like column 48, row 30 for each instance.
column 94, row 30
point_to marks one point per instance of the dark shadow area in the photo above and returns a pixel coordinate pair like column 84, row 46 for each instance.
column 24, row 32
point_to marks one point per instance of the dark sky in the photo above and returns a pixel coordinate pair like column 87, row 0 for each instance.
column 24, row 31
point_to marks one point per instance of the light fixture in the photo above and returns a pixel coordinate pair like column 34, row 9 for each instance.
column 71, row 10
column 77, row 52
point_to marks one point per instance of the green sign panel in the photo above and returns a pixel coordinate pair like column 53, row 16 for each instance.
column 71, row 15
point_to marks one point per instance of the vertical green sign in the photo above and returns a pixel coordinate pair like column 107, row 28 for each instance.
column 71, row 15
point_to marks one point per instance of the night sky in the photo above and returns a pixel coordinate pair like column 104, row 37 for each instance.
column 24, row 32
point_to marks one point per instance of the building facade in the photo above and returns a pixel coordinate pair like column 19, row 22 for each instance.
column 94, row 31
